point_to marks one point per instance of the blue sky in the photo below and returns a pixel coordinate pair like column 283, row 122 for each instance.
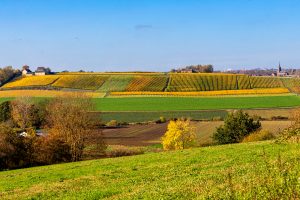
column 149, row 35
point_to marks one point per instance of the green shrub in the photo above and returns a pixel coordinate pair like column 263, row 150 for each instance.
column 237, row 125
column 259, row 135
column 112, row 123
column 161, row 120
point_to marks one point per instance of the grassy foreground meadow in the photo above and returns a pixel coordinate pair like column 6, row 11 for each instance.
column 239, row 171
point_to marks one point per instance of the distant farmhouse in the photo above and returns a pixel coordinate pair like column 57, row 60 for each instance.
column 40, row 71
column 26, row 71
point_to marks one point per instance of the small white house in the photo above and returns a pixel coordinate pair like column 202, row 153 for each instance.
column 27, row 72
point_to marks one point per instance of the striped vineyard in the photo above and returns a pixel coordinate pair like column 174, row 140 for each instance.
column 150, row 82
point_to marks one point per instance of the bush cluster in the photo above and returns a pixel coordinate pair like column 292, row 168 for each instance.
column 236, row 127
column 259, row 135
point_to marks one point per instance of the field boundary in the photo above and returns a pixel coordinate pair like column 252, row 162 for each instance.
column 206, row 93
column 206, row 110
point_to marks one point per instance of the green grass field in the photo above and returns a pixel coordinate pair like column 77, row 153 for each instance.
column 5, row 99
column 146, row 116
column 194, row 103
column 191, row 103
column 201, row 173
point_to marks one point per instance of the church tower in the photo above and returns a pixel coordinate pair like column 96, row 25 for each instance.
column 279, row 68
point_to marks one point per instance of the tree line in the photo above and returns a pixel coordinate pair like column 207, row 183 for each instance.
column 65, row 122
column 8, row 73
column 195, row 69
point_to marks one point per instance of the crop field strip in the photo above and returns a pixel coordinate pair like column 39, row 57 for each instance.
column 243, row 82
column 265, row 82
column 147, row 83
column 32, row 81
column 44, row 93
column 292, row 84
column 88, row 82
column 207, row 82
column 116, row 83
column 152, row 82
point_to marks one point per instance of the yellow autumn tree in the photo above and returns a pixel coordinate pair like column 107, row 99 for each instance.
column 180, row 135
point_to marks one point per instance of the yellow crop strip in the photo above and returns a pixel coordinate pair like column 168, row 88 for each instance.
column 111, row 73
column 32, row 81
column 43, row 93
column 207, row 93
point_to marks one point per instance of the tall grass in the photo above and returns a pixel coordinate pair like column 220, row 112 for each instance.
column 278, row 179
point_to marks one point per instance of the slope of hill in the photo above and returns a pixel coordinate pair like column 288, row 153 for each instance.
column 240, row 171
column 155, row 82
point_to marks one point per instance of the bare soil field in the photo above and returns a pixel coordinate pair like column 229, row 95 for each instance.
column 150, row 134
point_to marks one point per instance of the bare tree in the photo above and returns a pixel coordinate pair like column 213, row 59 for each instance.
column 24, row 113
column 68, row 118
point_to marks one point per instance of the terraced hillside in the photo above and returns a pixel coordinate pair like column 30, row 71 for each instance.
column 207, row 82
column 32, row 81
column 87, row 82
column 116, row 83
column 292, row 83
column 151, row 82
column 265, row 82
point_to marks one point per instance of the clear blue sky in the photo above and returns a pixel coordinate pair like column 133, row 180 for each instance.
column 149, row 35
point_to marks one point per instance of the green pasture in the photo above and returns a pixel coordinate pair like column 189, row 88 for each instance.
column 190, row 103
column 194, row 103
column 239, row 171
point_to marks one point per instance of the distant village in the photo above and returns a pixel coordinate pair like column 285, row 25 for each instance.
column 278, row 71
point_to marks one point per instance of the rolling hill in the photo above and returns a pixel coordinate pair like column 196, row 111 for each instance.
column 239, row 171
column 149, row 82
